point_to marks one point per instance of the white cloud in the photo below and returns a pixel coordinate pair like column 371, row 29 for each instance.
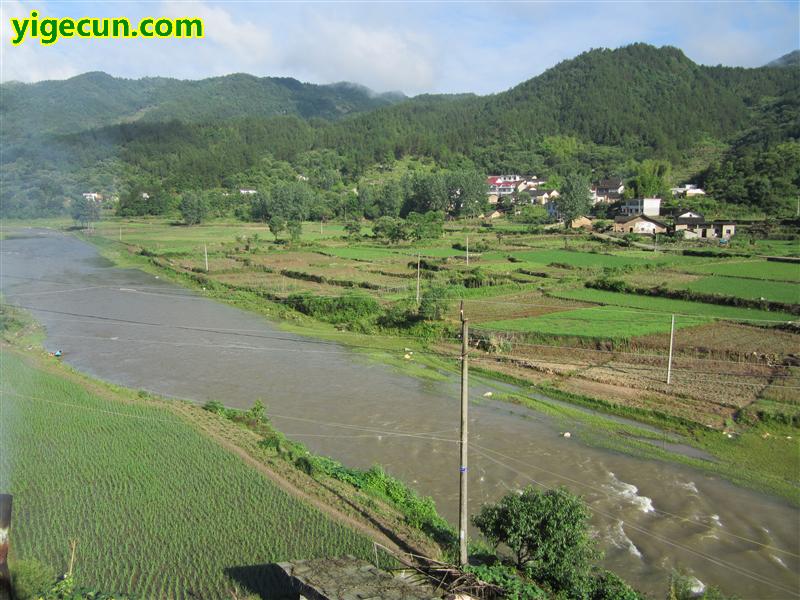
column 238, row 42
column 380, row 57
column 29, row 61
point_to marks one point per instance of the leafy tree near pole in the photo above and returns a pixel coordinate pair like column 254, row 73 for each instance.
column 433, row 303
column 548, row 533
column 575, row 198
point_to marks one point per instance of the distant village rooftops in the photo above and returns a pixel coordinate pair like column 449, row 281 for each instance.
column 688, row 190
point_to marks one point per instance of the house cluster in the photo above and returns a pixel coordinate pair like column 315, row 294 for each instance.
column 93, row 197
column 644, row 218
column 505, row 185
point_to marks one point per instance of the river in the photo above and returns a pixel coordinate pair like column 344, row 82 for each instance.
column 134, row 329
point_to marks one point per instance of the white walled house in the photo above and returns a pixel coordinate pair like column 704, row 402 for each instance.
column 641, row 206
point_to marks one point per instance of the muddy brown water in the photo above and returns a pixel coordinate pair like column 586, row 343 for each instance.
column 131, row 328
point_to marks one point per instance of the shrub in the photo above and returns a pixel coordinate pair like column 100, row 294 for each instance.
column 347, row 308
column 514, row 587
column 609, row 586
column 30, row 579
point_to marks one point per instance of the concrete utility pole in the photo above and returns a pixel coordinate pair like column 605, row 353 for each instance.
column 205, row 251
column 419, row 258
column 120, row 234
column 462, row 505
column 671, row 340
column 467, row 250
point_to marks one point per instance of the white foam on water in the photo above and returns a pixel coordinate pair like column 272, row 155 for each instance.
column 620, row 539
column 778, row 560
column 630, row 492
column 698, row 587
column 689, row 485
column 717, row 521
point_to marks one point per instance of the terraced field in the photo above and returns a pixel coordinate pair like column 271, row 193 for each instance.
column 603, row 322
column 752, row 289
column 682, row 308
column 158, row 509
column 755, row 269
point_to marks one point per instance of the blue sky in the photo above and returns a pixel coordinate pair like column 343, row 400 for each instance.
column 414, row 47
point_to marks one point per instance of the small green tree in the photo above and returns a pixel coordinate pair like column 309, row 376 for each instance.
column 433, row 303
column 295, row 228
column 353, row 228
column 548, row 533
column 276, row 225
column 392, row 229
column 194, row 208
column 85, row 211
column 575, row 198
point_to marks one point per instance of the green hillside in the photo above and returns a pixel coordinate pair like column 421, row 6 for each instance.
column 603, row 112
column 96, row 100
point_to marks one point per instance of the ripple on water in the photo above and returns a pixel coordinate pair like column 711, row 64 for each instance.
column 620, row 539
column 629, row 492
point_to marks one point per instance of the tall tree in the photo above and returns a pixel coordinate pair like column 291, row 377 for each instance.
column 575, row 198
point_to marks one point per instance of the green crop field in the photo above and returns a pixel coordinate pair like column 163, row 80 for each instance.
column 578, row 259
column 756, row 269
column 776, row 291
column 361, row 253
column 158, row 510
column 606, row 322
column 678, row 307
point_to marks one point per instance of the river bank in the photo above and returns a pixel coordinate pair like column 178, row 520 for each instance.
column 763, row 457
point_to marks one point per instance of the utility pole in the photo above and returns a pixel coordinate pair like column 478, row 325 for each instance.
column 467, row 250
column 462, row 506
column 671, row 340
column 72, row 544
column 205, row 251
column 419, row 258
column 120, row 234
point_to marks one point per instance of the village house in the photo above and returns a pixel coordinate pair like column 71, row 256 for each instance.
column 93, row 196
column 503, row 185
column 248, row 192
column 641, row 206
column 607, row 191
column 543, row 196
column 694, row 226
column 641, row 224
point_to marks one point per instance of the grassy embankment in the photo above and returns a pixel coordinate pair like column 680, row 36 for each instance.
column 543, row 285
column 166, row 499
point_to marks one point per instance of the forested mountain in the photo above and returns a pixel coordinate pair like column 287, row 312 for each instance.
column 96, row 99
column 602, row 112
column 787, row 60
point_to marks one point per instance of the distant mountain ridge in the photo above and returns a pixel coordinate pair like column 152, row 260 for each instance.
column 792, row 59
column 599, row 112
column 97, row 99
